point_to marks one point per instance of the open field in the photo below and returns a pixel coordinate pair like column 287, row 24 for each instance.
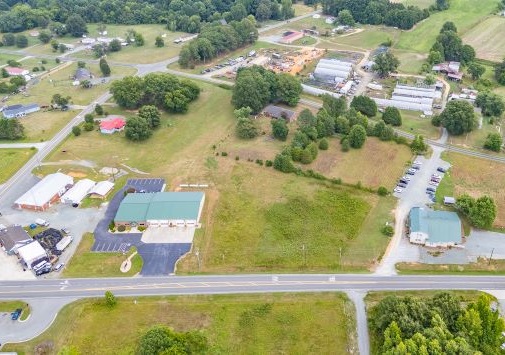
column 265, row 220
column 369, row 38
column 481, row 267
column 478, row 177
column 413, row 123
column 11, row 160
column 85, row 263
column 474, row 139
column 464, row 13
column 388, row 160
column 487, row 39
column 248, row 324
column 6, row 57
column 410, row 63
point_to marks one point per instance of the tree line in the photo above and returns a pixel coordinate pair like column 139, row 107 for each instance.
column 378, row 12
column 449, row 47
column 11, row 129
column 216, row 39
column 442, row 324
column 178, row 15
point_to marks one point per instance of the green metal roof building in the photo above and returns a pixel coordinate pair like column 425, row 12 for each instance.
column 434, row 228
column 160, row 209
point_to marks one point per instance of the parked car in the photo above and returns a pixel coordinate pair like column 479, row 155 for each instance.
column 44, row 270
column 403, row 181
column 442, row 170
column 59, row 266
column 436, row 176
column 431, row 189
column 416, row 167
column 42, row 222
column 15, row 315
column 65, row 230
column 406, row 178
column 398, row 189
column 435, row 179
column 402, row 185
column 417, row 162
column 434, row 183
column 411, row 172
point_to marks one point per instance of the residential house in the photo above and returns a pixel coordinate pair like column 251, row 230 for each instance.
column 279, row 112
column 15, row 71
column 12, row 238
column 113, row 125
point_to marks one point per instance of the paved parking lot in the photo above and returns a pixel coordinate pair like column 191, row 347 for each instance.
column 146, row 185
column 111, row 247
column 160, row 259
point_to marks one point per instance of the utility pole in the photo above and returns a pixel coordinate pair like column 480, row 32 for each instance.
column 490, row 257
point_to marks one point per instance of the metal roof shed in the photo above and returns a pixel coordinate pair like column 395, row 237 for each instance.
column 31, row 253
column 78, row 192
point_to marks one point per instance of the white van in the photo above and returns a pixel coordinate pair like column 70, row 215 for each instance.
column 42, row 222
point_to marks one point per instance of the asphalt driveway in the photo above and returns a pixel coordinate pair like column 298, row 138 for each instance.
column 160, row 259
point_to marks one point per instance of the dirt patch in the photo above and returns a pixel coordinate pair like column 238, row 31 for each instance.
column 76, row 174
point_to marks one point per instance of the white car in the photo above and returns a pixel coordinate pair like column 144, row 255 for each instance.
column 436, row 176
column 434, row 183
column 418, row 163
column 59, row 266
column 407, row 178
column 398, row 190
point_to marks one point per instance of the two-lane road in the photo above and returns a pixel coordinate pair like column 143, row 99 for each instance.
column 229, row 284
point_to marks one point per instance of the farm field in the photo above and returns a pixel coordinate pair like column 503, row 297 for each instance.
column 262, row 324
column 11, row 160
column 487, row 39
column 85, row 263
column 387, row 158
column 464, row 13
column 370, row 37
column 478, row 177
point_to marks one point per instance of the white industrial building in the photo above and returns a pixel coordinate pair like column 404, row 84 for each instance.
column 413, row 98
column 46, row 192
column 31, row 253
column 101, row 189
column 333, row 70
column 78, row 192
column 403, row 105
column 347, row 86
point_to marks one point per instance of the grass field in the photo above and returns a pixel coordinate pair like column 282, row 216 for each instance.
column 4, row 57
column 487, row 39
column 413, row 123
column 410, row 63
column 481, row 267
column 387, row 158
column 247, row 324
column 370, row 38
column 85, row 263
column 474, row 139
column 11, row 160
column 477, row 177
column 301, row 9
column 265, row 220
column 464, row 13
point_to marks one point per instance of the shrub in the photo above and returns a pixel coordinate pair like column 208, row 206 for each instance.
column 121, row 228
column 44, row 61
column 57, row 60
column 436, row 121
column 269, row 163
column 345, row 145
column 141, row 228
column 112, row 226
column 237, row 158
column 323, row 144
column 76, row 131
column 382, row 191
column 224, row 154
column 88, row 126
column 35, row 69
column 388, row 230
column 259, row 161
column 110, row 299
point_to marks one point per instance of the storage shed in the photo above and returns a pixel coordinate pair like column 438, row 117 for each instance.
column 101, row 189
column 78, row 192
column 32, row 253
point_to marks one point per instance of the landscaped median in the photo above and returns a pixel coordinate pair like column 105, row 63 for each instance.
column 11, row 306
column 86, row 263
column 297, row 323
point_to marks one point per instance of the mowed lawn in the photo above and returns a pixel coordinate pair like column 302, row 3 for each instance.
column 376, row 164
column 464, row 13
column 412, row 122
column 478, row 177
column 86, row 263
column 316, row 323
column 11, row 160
column 487, row 38
column 268, row 221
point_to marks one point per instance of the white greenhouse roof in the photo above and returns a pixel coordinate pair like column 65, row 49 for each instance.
column 418, row 100
column 402, row 105
column 316, row 91
column 102, row 188
column 335, row 61
column 331, row 72
column 45, row 189
column 417, row 88
column 334, row 66
column 414, row 93
column 77, row 193
column 32, row 251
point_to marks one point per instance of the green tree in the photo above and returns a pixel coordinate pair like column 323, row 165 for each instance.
column 76, row 130
column 435, row 57
column 449, row 26
column 483, row 212
column 392, row 116
column 251, row 90
column 345, row 18
column 246, row 128
column 151, row 114
column 137, row 129
column 342, row 125
column 128, row 92
column 494, row 142
column 89, row 118
column 162, row 340
column 115, row 45
column 385, row 63
column 499, row 73
column 21, row 41
column 458, row 117
column 86, row 84
column 280, row 129
column 159, row 42
column 418, row 145
column 490, row 103
column 345, row 145
column 282, row 162
column 81, row 64
column 476, row 70
column 334, row 106
column 44, row 36
column 289, row 89
column 104, row 67
column 62, row 48
column 110, row 299
column 323, row 144
column 430, row 79
column 287, row 10
column 365, row 105
column 467, row 54
column 99, row 109
column 177, row 101
column 8, row 39
column 88, row 126
column 60, row 100
column 465, row 203
column 357, row 136
column 76, row 26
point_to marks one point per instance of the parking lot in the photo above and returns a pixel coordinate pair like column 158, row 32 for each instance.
column 146, row 185
column 111, row 247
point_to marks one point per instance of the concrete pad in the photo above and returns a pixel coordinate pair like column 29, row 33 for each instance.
column 168, row 235
column 10, row 268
